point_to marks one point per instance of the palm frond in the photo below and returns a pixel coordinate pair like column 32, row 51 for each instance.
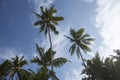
column 72, row 49
column 59, row 62
column 86, row 48
column 4, row 68
column 72, row 32
column 85, row 36
column 52, row 27
column 78, row 52
column 42, row 10
column 23, row 62
column 36, row 14
column 55, row 18
column 71, row 40
column 47, row 55
column 40, row 51
column 36, row 60
column 52, row 10
column 42, row 28
column 39, row 22
column 46, row 31
column 21, row 58
column 80, row 32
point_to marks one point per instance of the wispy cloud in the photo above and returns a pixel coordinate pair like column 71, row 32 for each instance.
column 35, row 4
column 8, row 53
column 60, row 43
column 108, row 23
column 88, row 0
column 73, row 74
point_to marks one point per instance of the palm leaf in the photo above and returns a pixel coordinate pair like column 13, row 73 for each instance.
column 42, row 28
column 37, row 15
column 36, row 60
column 55, row 18
column 72, row 49
column 42, row 10
column 21, row 58
column 23, row 62
column 80, row 32
column 40, row 50
column 52, row 10
column 59, row 62
column 72, row 32
column 39, row 22
column 78, row 52
column 85, row 36
column 71, row 40
column 52, row 27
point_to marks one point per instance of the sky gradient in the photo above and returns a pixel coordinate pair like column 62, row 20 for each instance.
column 18, row 36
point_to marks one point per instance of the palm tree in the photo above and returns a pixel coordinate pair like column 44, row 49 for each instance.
column 4, row 68
column 80, row 42
column 12, row 68
column 48, row 22
column 44, row 60
column 96, row 69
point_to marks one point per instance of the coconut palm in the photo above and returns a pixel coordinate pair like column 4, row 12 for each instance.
column 47, row 22
column 44, row 61
column 81, row 41
column 13, row 69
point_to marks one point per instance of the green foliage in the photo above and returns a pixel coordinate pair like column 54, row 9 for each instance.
column 97, row 69
column 80, row 42
column 47, row 20
column 8, row 69
column 44, row 61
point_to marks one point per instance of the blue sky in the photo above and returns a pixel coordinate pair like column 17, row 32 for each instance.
column 18, row 35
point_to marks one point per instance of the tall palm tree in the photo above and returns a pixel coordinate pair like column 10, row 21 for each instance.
column 13, row 69
column 80, row 42
column 44, row 60
column 48, row 22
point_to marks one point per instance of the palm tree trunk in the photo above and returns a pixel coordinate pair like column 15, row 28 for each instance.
column 83, row 60
column 51, row 52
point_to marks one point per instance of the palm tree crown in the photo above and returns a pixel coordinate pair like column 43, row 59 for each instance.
column 13, row 68
column 44, row 60
column 47, row 19
column 80, row 42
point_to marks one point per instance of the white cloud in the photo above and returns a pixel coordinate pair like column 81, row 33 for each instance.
column 88, row 0
column 8, row 53
column 107, row 21
column 35, row 4
column 59, row 41
column 73, row 74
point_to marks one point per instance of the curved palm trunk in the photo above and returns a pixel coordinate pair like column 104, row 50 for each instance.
column 51, row 52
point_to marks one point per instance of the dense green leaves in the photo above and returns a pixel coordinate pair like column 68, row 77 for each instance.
column 98, row 69
column 47, row 19
column 13, row 68
column 44, row 61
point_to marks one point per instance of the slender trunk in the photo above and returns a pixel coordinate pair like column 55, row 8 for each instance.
column 83, row 60
column 51, row 52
